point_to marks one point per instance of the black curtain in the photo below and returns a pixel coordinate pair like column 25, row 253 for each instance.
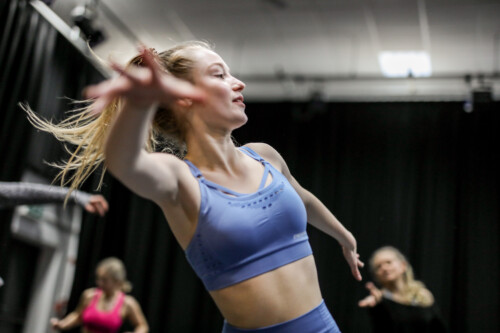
column 423, row 177
column 420, row 176
column 39, row 67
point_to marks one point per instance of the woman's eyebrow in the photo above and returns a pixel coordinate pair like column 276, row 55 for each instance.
column 218, row 64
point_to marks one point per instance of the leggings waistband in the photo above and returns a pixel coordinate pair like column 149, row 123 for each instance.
column 318, row 320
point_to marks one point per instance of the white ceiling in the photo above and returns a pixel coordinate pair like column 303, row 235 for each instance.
column 285, row 49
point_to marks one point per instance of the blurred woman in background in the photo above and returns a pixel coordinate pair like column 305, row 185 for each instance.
column 400, row 304
column 103, row 309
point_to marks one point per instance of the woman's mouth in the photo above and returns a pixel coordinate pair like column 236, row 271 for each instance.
column 239, row 100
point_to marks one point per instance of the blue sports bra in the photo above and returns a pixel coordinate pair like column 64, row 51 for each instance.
column 240, row 236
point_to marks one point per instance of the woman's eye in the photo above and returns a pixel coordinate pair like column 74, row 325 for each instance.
column 220, row 76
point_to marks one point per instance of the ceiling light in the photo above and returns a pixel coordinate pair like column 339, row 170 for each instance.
column 405, row 63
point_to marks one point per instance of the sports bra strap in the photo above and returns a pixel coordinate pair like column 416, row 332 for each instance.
column 250, row 152
column 194, row 170
column 119, row 303
column 96, row 297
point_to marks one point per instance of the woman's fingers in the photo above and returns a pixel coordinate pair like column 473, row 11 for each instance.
column 99, row 105
column 97, row 204
column 370, row 286
column 357, row 273
column 175, row 88
column 149, row 60
column 374, row 291
column 368, row 301
column 123, row 71
column 108, row 87
column 354, row 267
column 352, row 259
column 101, row 206
column 360, row 263
column 372, row 299
column 54, row 322
column 143, row 85
column 356, row 263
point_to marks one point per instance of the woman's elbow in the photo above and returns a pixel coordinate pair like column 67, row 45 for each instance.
column 142, row 328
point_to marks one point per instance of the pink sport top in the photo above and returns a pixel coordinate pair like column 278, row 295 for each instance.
column 97, row 321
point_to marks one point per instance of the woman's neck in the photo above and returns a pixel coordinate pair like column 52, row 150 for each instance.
column 211, row 152
column 396, row 287
column 109, row 294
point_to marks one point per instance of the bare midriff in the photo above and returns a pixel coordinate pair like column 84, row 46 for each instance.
column 271, row 298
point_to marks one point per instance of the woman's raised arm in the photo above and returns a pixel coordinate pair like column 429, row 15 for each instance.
column 141, row 91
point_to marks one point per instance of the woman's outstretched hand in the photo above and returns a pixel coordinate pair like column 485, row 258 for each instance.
column 55, row 324
column 97, row 205
column 373, row 299
column 142, row 86
column 352, row 258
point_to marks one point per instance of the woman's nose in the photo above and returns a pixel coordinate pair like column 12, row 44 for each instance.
column 238, row 85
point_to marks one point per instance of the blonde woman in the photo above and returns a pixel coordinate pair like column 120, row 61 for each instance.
column 103, row 309
column 401, row 304
column 237, row 212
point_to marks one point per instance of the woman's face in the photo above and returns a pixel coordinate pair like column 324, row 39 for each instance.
column 223, row 104
column 105, row 282
column 388, row 267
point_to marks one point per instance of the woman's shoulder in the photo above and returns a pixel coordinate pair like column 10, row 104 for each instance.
column 89, row 293
column 87, row 296
column 260, row 147
column 425, row 297
column 266, row 151
column 271, row 155
column 130, row 302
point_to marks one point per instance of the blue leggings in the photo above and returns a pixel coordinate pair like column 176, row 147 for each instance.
column 318, row 320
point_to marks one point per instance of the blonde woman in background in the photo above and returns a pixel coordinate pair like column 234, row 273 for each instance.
column 103, row 309
column 400, row 304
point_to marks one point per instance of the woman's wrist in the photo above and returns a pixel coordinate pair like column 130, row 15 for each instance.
column 348, row 242
column 139, row 106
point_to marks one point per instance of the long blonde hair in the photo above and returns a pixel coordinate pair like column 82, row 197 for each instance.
column 412, row 292
column 87, row 132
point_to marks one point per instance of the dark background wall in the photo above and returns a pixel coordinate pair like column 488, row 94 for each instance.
column 420, row 176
